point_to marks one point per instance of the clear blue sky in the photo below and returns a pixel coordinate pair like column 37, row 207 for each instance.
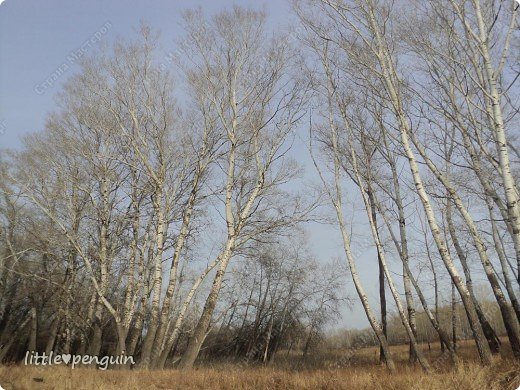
column 37, row 37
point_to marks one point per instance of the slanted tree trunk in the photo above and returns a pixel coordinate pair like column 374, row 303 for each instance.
column 376, row 327
column 510, row 320
column 475, row 325
column 382, row 297
column 168, row 299
column 453, row 317
column 402, row 245
column 336, row 199
column 503, row 262
column 241, row 131
column 174, row 336
column 433, row 317
column 200, row 332
column 489, row 332
column 268, row 339
column 149, row 339
column 391, row 81
column 510, row 189
column 375, row 236
column 160, row 339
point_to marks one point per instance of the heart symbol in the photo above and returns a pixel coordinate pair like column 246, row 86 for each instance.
column 65, row 357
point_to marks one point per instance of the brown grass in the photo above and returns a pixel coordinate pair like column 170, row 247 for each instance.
column 361, row 374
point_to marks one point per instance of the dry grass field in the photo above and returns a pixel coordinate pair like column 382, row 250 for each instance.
column 288, row 373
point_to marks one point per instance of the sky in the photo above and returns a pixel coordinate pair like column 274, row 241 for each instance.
column 38, row 40
column 38, row 37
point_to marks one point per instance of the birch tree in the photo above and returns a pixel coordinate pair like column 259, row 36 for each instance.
column 244, row 73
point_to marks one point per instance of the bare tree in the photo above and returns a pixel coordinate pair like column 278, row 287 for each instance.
column 244, row 73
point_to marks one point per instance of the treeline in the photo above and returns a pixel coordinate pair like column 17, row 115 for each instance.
column 158, row 214
column 451, row 318
column 127, row 210
column 417, row 108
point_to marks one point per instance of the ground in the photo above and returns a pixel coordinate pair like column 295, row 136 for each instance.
column 317, row 372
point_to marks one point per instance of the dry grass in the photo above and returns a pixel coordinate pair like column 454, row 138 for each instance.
column 362, row 374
